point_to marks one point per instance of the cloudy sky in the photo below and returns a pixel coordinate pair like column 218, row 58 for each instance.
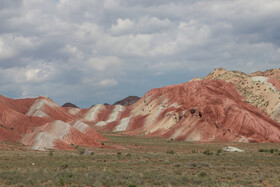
column 97, row 51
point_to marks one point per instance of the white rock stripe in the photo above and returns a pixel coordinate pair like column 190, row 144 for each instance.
column 115, row 113
column 44, row 136
column 91, row 115
column 263, row 80
column 81, row 126
column 124, row 123
column 35, row 109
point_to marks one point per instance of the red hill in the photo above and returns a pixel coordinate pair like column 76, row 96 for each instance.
column 207, row 110
column 218, row 108
column 41, row 124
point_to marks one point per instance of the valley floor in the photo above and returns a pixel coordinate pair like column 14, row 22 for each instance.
column 138, row 161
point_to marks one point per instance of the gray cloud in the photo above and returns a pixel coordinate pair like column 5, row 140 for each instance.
column 93, row 51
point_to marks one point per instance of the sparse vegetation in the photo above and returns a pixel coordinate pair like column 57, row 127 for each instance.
column 218, row 152
column 81, row 151
column 51, row 153
column 272, row 150
column 203, row 174
column 147, row 164
column 1, row 125
column 170, row 152
column 207, row 152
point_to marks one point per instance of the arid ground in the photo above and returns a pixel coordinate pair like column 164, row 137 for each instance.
column 140, row 161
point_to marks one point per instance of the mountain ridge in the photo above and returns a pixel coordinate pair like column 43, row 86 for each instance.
column 223, row 106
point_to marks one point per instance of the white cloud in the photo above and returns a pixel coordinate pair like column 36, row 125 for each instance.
column 74, row 49
column 33, row 74
column 103, row 63
column 5, row 50
column 108, row 83
column 144, row 25
column 11, row 45
column 29, row 74
column 192, row 33
column 123, row 25
column 153, row 24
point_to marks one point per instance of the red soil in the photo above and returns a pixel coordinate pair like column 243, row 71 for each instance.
column 15, row 123
column 275, row 83
column 19, row 105
column 207, row 110
column 215, row 111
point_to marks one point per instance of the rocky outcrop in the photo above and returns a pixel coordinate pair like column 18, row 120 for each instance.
column 261, row 89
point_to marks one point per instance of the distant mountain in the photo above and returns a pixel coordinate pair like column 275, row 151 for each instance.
column 130, row 100
column 69, row 105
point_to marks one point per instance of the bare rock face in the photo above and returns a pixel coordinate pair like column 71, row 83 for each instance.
column 69, row 105
column 261, row 89
column 130, row 100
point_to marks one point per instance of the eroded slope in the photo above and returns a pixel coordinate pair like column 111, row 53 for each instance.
column 261, row 89
column 41, row 124
column 206, row 110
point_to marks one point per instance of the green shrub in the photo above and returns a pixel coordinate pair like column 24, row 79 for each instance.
column 82, row 151
column 132, row 185
column 64, row 166
column 261, row 150
column 3, row 126
column 170, row 152
column 51, row 153
column 218, row 151
column 203, row 174
column 207, row 152
column 272, row 150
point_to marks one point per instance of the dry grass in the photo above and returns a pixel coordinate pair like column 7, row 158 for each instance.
column 142, row 162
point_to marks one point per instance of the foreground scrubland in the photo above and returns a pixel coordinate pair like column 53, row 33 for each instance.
column 138, row 161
